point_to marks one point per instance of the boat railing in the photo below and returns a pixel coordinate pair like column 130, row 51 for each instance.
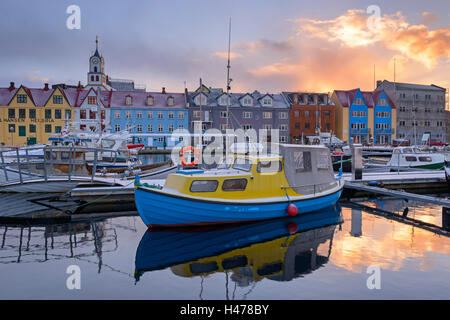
column 47, row 162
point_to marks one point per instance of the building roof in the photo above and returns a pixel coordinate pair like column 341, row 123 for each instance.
column 213, row 95
column 412, row 86
column 346, row 97
column 6, row 95
column 323, row 98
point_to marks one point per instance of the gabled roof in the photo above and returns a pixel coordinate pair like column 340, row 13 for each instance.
column 6, row 95
column 346, row 97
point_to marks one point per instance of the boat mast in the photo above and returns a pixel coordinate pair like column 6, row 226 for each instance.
column 228, row 76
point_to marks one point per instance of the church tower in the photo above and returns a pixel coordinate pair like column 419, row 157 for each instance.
column 96, row 74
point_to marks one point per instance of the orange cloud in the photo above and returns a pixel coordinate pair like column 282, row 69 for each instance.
column 224, row 55
column 393, row 32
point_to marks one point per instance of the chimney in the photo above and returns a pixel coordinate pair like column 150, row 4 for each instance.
column 11, row 86
column 164, row 90
column 305, row 98
column 295, row 98
column 316, row 99
column 46, row 87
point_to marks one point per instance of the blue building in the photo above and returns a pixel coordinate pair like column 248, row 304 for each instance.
column 367, row 117
column 150, row 117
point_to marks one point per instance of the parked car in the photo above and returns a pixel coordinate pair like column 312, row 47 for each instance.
column 401, row 143
column 437, row 143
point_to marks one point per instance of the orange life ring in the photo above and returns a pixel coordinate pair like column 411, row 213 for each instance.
column 183, row 161
column 338, row 153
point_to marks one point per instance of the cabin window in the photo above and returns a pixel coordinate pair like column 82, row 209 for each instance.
column 409, row 158
column 204, row 186
column 302, row 161
column 425, row 159
column 270, row 269
column 234, row 262
column 207, row 267
column 242, row 164
column 323, row 160
column 234, row 184
column 65, row 155
column 269, row 166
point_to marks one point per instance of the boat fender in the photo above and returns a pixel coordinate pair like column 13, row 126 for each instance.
column 183, row 161
column 373, row 183
column 292, row 227
column 292, row 210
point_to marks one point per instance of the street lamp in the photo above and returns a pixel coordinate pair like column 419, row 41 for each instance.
column 11, row 129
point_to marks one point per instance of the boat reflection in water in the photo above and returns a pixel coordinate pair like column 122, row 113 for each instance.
column 280, row 249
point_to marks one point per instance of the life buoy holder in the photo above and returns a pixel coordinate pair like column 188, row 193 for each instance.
column 196, row 155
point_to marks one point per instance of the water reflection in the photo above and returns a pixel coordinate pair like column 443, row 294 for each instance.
column 40, row 243
column 279, row 250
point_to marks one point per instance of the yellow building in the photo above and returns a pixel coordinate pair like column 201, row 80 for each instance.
column 29, row 115
column 367, row 117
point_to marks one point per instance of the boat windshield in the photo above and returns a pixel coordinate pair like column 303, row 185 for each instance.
column 242, row 164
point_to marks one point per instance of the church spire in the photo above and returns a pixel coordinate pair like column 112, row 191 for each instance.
column 96, row 47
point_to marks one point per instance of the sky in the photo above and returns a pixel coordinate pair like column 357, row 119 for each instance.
column 278, row 45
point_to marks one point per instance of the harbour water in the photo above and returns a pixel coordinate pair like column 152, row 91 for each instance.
column 324, row 255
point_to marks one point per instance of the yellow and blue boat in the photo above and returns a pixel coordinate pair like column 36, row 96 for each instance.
column 298, row 180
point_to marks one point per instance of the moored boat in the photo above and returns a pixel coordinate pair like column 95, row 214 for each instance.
column 298, row 180
column 413, row 157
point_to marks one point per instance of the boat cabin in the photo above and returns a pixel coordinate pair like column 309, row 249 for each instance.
column 296, row 170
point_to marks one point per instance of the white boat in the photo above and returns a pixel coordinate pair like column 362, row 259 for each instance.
column 413, row 157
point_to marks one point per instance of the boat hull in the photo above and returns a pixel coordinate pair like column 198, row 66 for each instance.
column 159, row 210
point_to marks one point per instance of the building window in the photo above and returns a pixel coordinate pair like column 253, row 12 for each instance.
column 296, row 113
column 149, row 115
column 82, row 114
column 150, row 128
column 139, row 115
column 96, row 78
column 306, row 125
column 11, row 113
column 181, row 115
column 57, row 113
column 48, row 114
column 48, row 128
column 283, row 127
column 306, row 113
column 247, row 126
column 149, row 101
column 129, row 129
column 161, row 139
column 21, row 98
column 22, row 113
column 128, row 114
column 57, row 129
column 22, row 131
column 196, row 114
column 92, row 114
column 57, row 99
column 32, row 113
column 139, row 128
column 282, row 115
column 247, row 114
column 92, row 100
column 171, row 128
column 32, row 128
column 267, row 115
column 382, row 102
column 223, row 114
column 128, row 100
column 67, row 114
column 223, row 127
column 160, row 115
column 283, row 139
column 297, row 125
column 327, row 114
column 171, row 115
column 117, row 127
column 92, row 78
column 267, row 101
column 170, row 101
column 180, row 127
column 198, row 100
column 82, row 127
column 160, row 128
column 358, row 101
column 267, row 126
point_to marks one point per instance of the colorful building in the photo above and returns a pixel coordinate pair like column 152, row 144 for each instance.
column 367, row 117
column 247, row 111
column 31, row 115
column 310, row 114
column 150, row 117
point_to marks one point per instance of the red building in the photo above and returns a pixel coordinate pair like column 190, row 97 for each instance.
column 310, row 114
